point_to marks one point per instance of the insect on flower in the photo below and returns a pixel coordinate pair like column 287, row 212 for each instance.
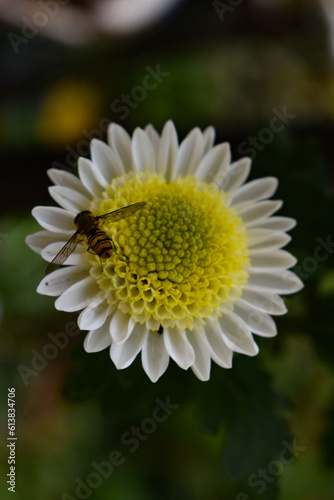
column 97, row 239
column 205, row 265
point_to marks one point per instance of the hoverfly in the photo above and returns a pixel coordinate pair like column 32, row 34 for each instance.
column 97, row 239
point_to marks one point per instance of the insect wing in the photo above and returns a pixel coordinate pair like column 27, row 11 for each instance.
column 64, row 253
column 122, row 213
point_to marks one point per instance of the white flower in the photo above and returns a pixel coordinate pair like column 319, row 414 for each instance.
column 197, row 271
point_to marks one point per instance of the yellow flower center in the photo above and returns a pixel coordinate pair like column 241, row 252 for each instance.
column 179, row 258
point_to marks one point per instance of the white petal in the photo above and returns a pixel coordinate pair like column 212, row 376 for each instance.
column 236, row 175
column 189, row 154
column 78, row 296
column 237, row 334
column 123, row 355
column 90, row 177
column 278, row 282
column 252, row 214
column 154, row 356
column 167, row 151
column 258, row 321
column 154, row 137
column 119, row 140
column 259, row 189
column 209, row 135
column 142, row 151
column 202, row 364
column 105, row 161
column 76, row 258
column 213, row 165
column 54, row 219
column 63, row 178
column 155, row 141
column 69, row 199
column 178, row 347
column 94, row 315
column 220, row 353
column 97, row 340
column 274, row 259
column 263, row 301
column 56, row 283
column 264, row 239
column 121, row 326
column 277, row 223
column 38, row 241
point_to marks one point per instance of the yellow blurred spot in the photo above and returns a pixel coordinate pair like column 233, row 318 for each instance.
column 68, row 108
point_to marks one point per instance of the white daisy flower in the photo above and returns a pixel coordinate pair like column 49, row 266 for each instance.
column 197, row 271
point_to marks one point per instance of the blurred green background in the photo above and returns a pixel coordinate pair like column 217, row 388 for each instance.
column 263, row 430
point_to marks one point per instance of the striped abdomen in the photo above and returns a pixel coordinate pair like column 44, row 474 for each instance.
column 100, row 243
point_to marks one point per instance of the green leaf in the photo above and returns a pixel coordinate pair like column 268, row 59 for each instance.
column 248, row 408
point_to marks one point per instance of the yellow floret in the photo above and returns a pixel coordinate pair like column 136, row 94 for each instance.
column 179, row 258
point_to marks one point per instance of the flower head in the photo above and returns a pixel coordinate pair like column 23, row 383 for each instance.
column 197, row 270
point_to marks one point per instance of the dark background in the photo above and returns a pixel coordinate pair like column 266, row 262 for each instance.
column 234, row 69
